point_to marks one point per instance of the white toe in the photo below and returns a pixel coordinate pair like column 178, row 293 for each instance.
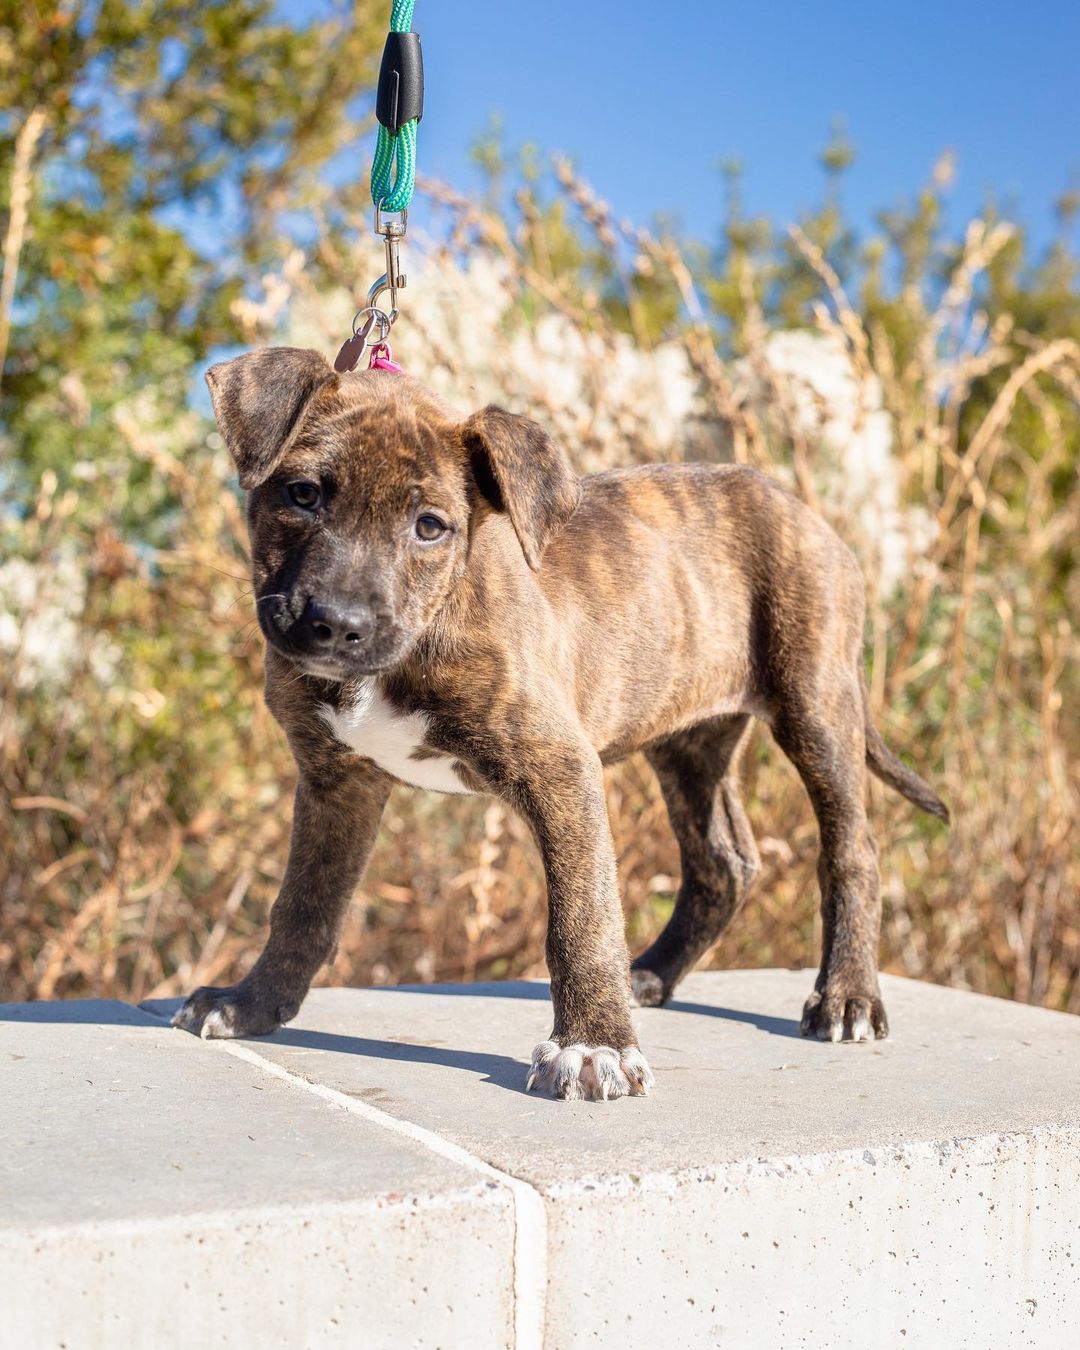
column 861, row 1029
column 602, row 1076
column 215, row 1026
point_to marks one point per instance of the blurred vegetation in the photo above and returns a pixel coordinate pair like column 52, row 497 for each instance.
column 173, row 183
column 162, row 147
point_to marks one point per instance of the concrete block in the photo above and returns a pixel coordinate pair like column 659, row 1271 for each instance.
column 374, row 1175
column 920, row 1191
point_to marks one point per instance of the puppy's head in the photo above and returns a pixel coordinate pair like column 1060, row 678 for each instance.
column 365, row 495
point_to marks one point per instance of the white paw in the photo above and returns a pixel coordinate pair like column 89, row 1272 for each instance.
column 593, row 1073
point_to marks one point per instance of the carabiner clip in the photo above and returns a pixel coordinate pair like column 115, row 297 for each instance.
column 393, row 279
column 384, row 284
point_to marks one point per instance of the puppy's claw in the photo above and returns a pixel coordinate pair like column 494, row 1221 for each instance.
column 638, row 1073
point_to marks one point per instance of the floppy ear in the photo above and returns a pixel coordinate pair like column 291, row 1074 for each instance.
column 259, row 399
column 520, row 469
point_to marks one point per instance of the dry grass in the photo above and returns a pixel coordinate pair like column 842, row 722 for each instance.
column 145, row 817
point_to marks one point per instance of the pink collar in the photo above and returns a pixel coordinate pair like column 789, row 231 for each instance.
column 382, row 359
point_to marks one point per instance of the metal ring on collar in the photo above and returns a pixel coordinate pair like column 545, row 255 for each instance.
column 375, row 315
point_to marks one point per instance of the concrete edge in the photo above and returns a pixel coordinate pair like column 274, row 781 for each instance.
column 972, row 1151
column 212, row 1220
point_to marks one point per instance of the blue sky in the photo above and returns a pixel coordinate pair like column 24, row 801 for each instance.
column 649, row 104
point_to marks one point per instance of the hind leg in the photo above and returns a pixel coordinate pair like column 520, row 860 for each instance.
column 827, row 745
column 698, row 772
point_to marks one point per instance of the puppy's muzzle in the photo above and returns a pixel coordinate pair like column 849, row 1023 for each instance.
column 334, row 639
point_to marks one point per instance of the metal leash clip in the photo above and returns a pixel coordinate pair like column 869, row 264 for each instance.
column 393, row 279
column 373, row 314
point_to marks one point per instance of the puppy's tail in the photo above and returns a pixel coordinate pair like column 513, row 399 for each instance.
column 883, row 764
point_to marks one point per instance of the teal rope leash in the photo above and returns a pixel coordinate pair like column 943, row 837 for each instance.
column 399, row 106
column 393, row 170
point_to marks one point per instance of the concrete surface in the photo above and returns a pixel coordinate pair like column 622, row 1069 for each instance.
column 374, row 1175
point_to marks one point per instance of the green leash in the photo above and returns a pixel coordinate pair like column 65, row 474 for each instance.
column 399, row 106
column 393, row 170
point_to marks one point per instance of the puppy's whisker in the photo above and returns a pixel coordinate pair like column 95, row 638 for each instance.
column 232, row 605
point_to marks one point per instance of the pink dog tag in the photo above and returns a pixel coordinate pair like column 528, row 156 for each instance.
column 382, row 359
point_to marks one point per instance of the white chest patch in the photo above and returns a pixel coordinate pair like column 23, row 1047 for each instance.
column 375, row 729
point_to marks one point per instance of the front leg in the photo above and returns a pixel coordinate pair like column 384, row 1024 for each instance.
column 593, row 1051
column 334, row 827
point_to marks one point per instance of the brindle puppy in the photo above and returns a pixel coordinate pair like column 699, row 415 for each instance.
column 447, row 604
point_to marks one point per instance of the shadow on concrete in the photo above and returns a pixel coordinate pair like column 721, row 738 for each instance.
column 529, row 989
column 540, row 989
column 774, row 1026
column 500, row 1070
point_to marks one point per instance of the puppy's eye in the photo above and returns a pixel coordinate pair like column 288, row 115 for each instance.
column 430, row 528
column 305, row 495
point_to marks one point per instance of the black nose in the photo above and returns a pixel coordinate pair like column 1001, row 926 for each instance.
column 337, row 628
